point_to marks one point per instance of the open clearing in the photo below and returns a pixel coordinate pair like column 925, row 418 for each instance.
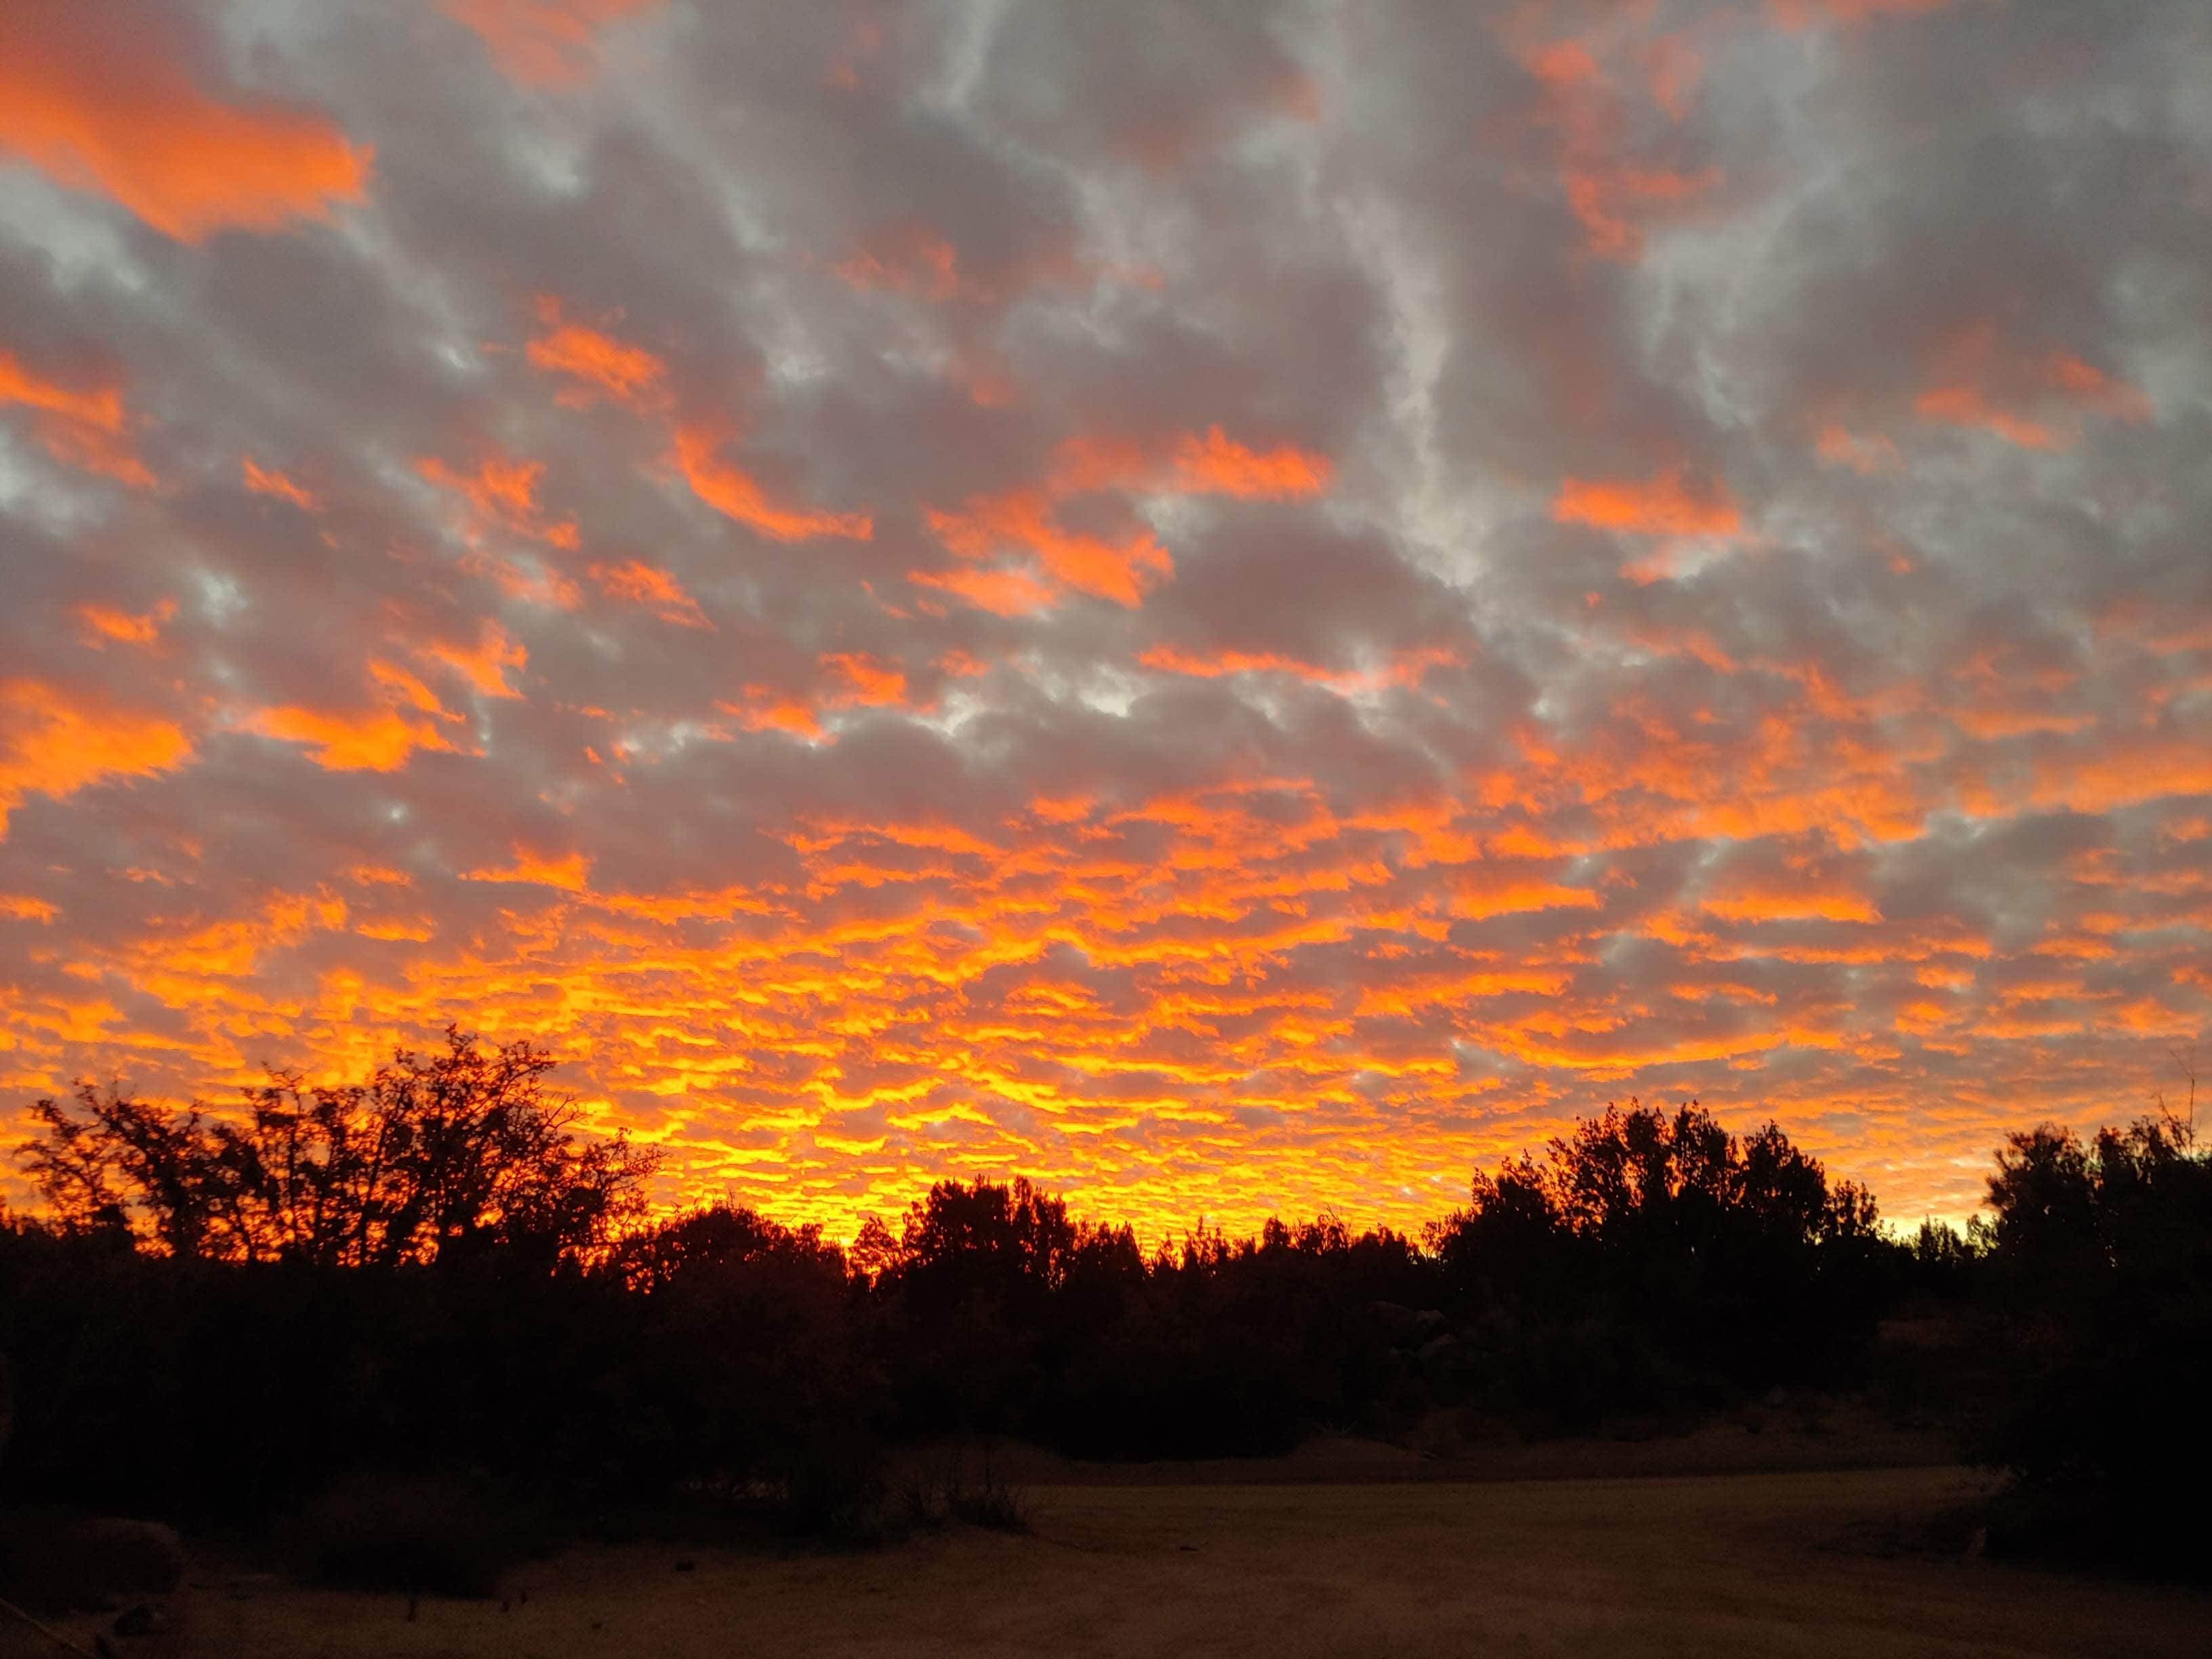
column 1738, row 1564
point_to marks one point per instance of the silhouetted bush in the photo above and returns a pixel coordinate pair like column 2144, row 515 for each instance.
column 956, row 1484
column 1654, row 1261
column 428, row 1535
column 2100, row 1262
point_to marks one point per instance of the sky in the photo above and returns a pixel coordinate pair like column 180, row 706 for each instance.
column 1238, row 607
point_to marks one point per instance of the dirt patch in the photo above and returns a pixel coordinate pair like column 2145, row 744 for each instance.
column 1717, row 1564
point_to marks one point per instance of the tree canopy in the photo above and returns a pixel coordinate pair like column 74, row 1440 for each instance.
column 460, row 1150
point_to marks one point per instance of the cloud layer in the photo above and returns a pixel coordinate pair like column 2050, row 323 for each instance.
column 1232, row 607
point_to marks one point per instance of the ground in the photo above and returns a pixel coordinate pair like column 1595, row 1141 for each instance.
column 1858, row 1562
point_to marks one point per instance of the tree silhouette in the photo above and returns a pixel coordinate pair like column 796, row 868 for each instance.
column 435, row 1269
column 2101, row 1257
column 457, row 1152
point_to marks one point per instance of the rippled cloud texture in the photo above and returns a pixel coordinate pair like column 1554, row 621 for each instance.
column 1232, row 606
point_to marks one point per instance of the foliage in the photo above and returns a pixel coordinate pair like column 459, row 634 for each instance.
column 462, row 1151
column 2099, row 1257
column 950, row 1487
column 416, row 1534
column 1661, row 1260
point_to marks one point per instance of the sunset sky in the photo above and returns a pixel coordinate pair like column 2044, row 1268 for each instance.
column 1236, row 607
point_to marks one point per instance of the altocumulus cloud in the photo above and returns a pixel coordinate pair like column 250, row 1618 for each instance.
column 1234, row 607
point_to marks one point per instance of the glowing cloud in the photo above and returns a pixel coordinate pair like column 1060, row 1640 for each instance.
column 380, row 738
column 103, row 623
column 485, row 665
column 599, row 364
column 1799, row 13
column 1216, row 464
column 2035, row 402
column 571, row 872
column 1611, row 189
column 736, row 496
column 637, row 582
column 268, row 481
column 100, row 103
column 84, row 427
column 503, row 492
column 550, row 44
column 1661, row 506
column 1118, row 570
column 1122, row 567
column 54, row 744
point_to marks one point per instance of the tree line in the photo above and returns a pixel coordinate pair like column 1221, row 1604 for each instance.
column 214, row 1317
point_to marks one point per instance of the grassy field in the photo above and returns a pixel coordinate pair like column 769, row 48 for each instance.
column 1847, row 1562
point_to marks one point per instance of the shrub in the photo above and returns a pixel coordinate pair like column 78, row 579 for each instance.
column 420, row 1533
column 2102, row 1263
column 939, row 1492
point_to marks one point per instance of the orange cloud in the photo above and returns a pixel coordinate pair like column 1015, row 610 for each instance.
column 500, row 488
column 767, row 710
column 550, row 44
column 1217, row 464
column 1475, row 897
column 639, row 583
column 1661, row 506
column 1408, row 669
column 1001, row 591
column 502, row 492
column 269, row 482
column 1801, row 14
column 911, row 258
column 484, row 665
column 107, row 623
column 1123, row 568
column 1967, row 405
column 571, row 873
column 1213, row 463
column 2095, row 390
column 54, row 744
column 102, row 409
column 867, row 681
column 599, row 364
column 380, row 740
column 1673, row 68
column 1790, row 902
column 736, row 496
column 1611, row 191
column 2033, row 402
column 1022, row 521
column 859, row 681
column 1865, row 456
column 1603, row 200
column 98, row 100
column 525, row 577
column 84, row 427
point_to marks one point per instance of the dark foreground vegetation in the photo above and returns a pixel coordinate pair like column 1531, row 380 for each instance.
column 341, row 1308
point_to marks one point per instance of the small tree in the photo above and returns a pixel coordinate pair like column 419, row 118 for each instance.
column 2102, row 1252
column 1658, row 1250
column 428, row 1156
